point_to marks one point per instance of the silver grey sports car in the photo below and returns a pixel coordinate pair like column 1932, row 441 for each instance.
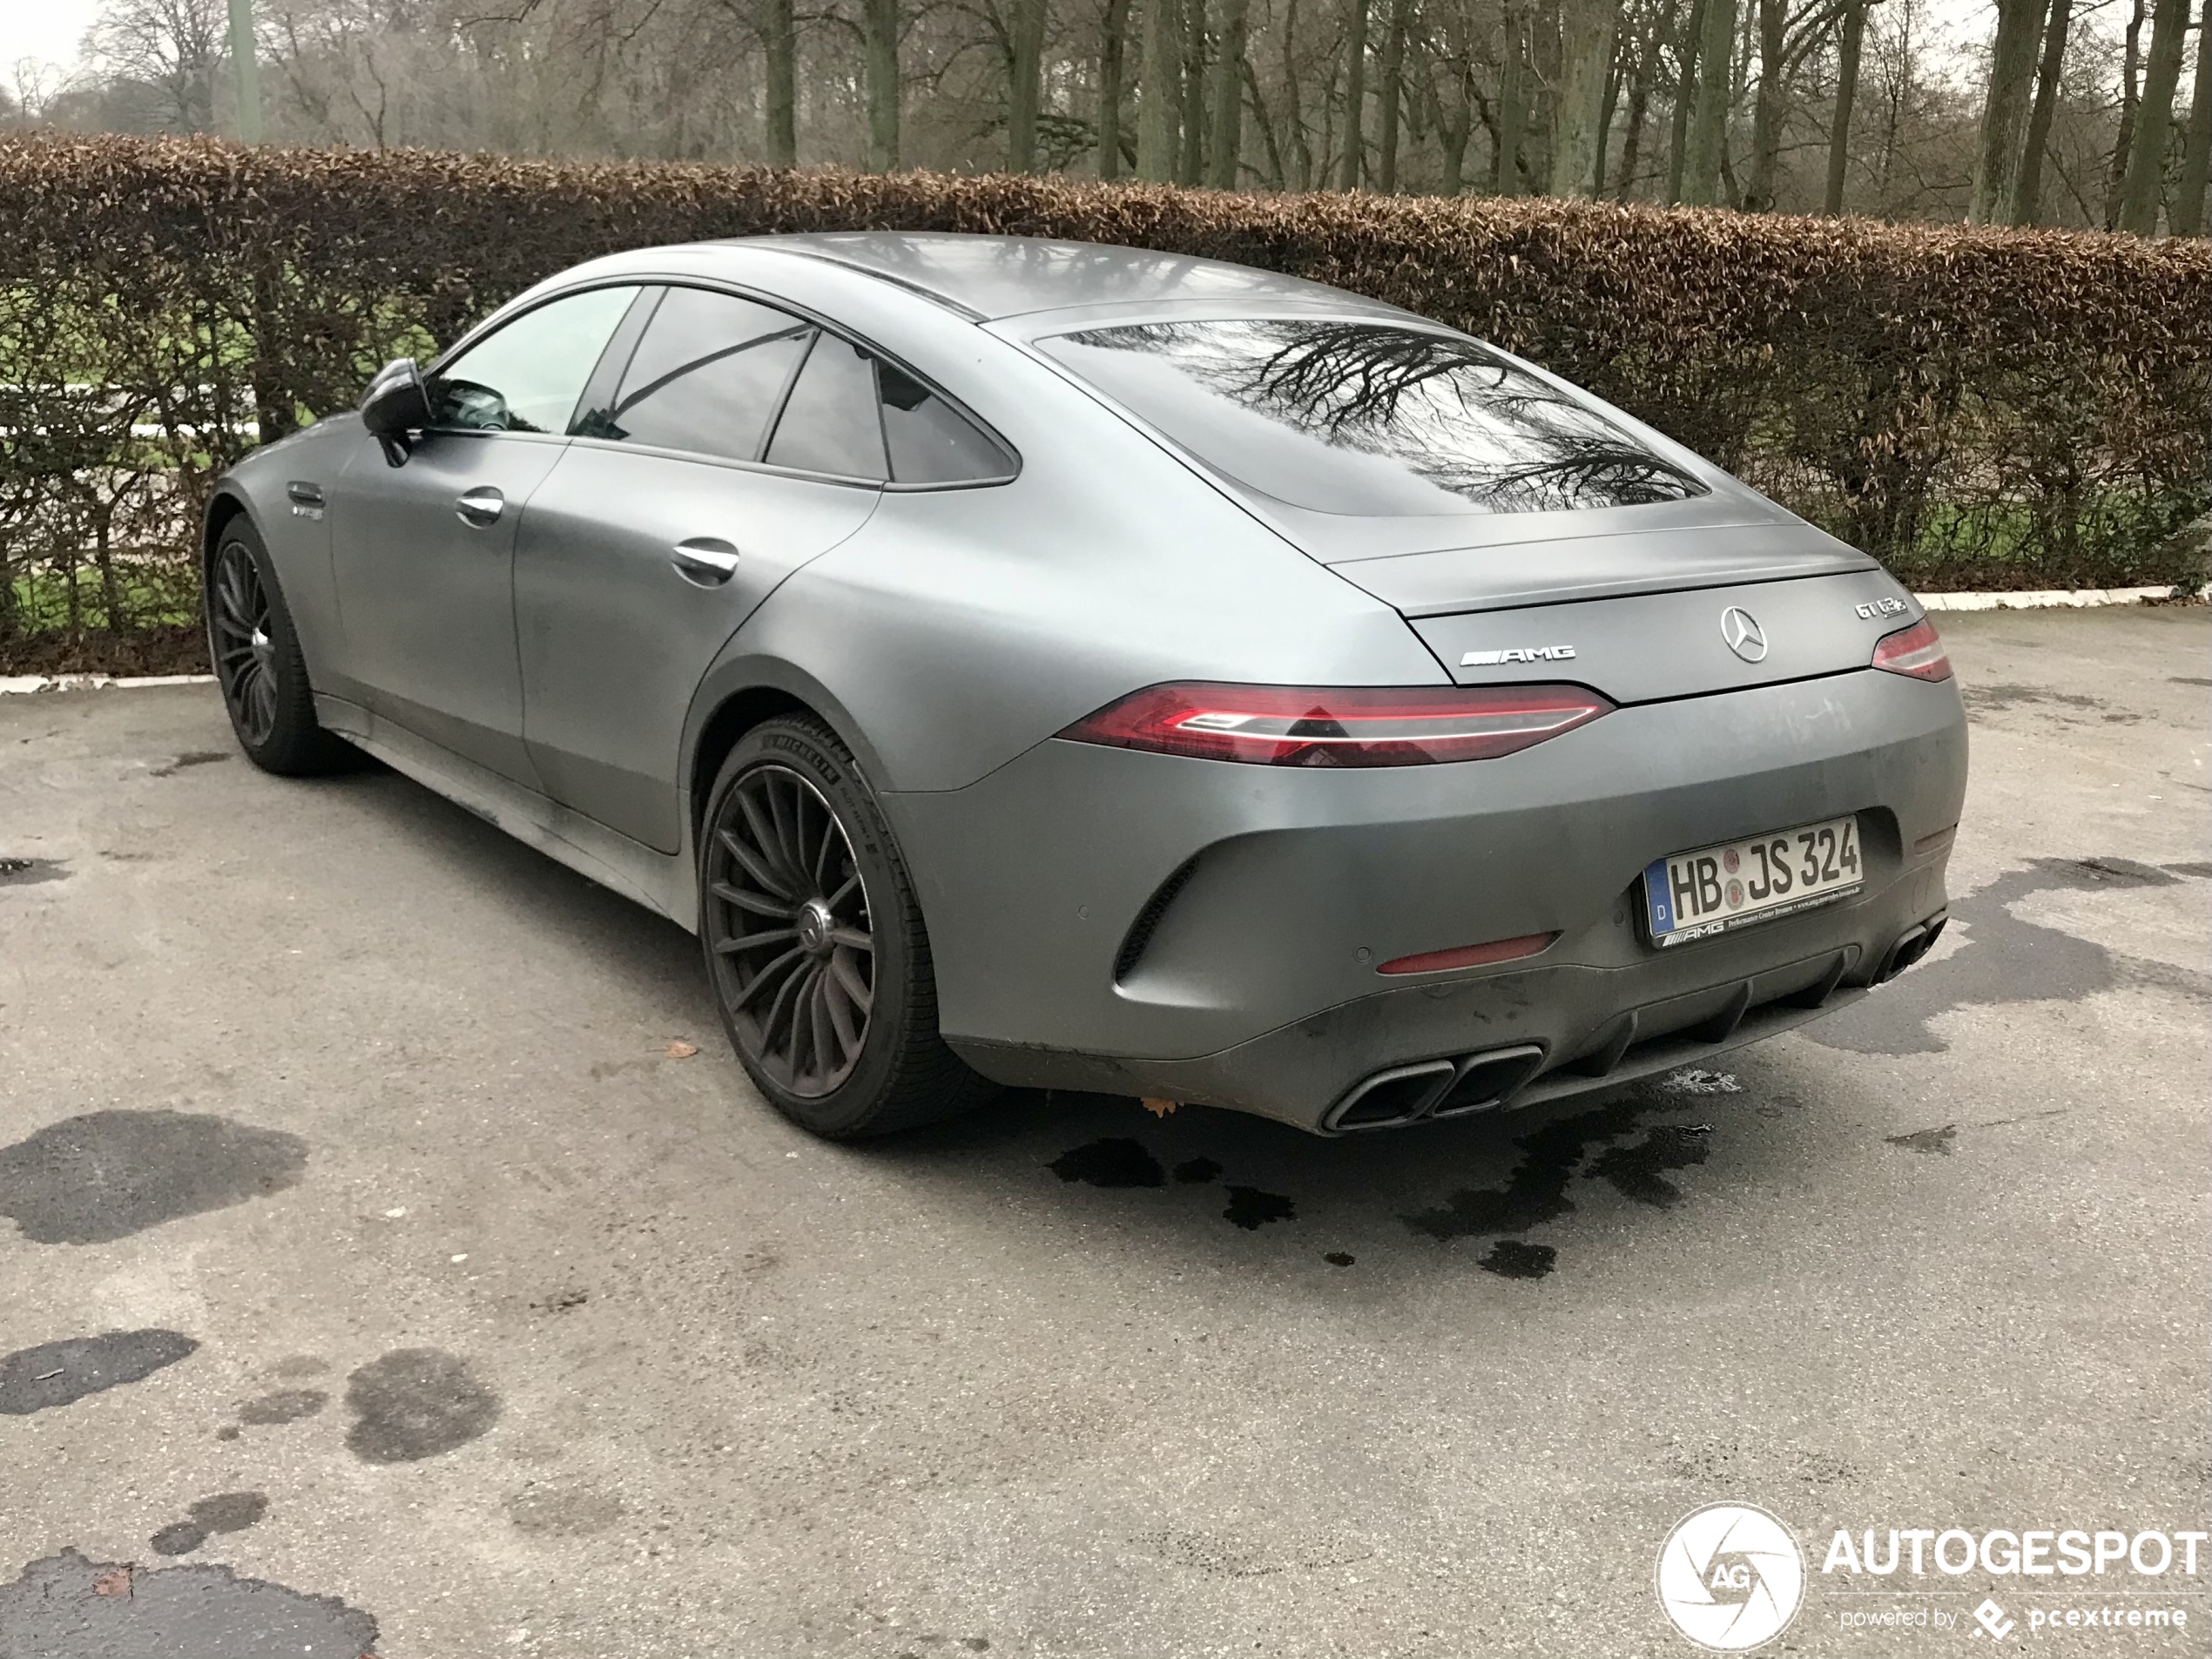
column 1039, row 663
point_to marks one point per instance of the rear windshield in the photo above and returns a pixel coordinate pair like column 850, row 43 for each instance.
column 1366, row 418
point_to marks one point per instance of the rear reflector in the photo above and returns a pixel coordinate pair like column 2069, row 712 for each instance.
column 1930, row 843
column 1915, row 651
column 1339, row 725
column 1498, row 950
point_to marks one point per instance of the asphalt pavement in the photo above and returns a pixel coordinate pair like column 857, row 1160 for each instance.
column 394, row 1260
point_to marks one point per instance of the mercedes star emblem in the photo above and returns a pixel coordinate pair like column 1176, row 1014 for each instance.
column 1744, row 636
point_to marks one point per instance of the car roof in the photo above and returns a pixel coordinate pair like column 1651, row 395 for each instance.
column 991, row 277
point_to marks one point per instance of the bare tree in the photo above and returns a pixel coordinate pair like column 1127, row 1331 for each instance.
column 1849, row 41
column 1112, row 42
column 1355, row 90
column 1586, row 55
column 1156, row 131
column 1227, row 125
column 780, row 46
column 1708, row 147
column 2141, row 186
column 172, row 48
column 2025, row 201
column 2131, row 73
column 2005, row 107
column 2185, row 216
column 1025, row 51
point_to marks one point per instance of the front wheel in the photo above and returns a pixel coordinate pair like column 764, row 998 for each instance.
column 815, row 945
column 258, row 663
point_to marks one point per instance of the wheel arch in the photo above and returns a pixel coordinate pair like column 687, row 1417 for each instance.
column 738, row 694
column 224, row 508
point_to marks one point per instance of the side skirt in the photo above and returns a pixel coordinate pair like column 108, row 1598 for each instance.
column 663, row 884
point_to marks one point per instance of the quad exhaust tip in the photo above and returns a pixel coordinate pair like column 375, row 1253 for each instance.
column 1911, row 945
column 1477, row 1083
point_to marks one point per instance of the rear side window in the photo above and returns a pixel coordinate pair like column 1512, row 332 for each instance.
column 829, row 422
column 930, row 442
column 708, row 375
column 1357, row 417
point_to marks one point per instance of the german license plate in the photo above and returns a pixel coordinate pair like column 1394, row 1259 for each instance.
column 1715, row 889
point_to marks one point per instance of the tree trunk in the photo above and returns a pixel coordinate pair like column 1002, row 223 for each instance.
column 1767, row 108
column 1024, row 63
column 1228, row 134
column 1156, row 109
column 1452, row 132
column 1513, row 105
column 1270, row 140
column 780, row 38
column 1585, row 54
column 2027, row 187
column 2131, row 75
column 1355, row 89
column 1607, row 107
column 1301, row 156
column 1847, row 50
column 1639, row 108
column 2144, row 184
column 1701, row 175
column 1388, row 95
column 879, row 24
column 1693, row 25
column 1113, row 37
column 2186, row 215
column 1191, row 168
column 2004, row 111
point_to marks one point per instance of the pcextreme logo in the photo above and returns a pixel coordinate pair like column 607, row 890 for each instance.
column 1730, row 1577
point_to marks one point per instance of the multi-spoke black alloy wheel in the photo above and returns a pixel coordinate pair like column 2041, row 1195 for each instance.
column 814, row 942
column 257, row 662
column 237, row 609
column 793, row 928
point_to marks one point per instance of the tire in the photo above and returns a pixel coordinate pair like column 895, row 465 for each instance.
column 256, row 653
column 814, row 945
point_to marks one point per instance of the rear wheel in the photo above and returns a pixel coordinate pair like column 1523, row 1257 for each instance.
column 258, row 663
column 814, row 944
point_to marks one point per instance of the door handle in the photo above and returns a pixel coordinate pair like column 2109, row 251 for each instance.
column 480, row 508
column 704, row 561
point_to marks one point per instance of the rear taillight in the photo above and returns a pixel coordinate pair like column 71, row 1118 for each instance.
column 1287, row 725
column 1916, row 650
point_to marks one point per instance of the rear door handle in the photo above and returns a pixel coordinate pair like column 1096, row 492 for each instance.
column 704, row 561
column 480, row 508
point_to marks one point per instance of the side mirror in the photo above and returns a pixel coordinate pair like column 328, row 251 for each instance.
column 396, row 405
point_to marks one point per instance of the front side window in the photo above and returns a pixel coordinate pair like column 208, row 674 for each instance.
column 527, row 375
column 1357, row 417
column 708, row 375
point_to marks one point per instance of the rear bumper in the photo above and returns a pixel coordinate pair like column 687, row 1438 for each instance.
column 1254, row 985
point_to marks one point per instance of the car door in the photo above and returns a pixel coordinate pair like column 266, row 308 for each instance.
column 737, row 444
column 423, row 553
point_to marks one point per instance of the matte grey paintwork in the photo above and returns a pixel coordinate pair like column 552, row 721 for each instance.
column 614, row 637
column 947, row 635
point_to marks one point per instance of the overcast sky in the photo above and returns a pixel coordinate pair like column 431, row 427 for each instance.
column 48, row 30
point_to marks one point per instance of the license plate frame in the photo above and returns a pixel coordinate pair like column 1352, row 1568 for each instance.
column 1726, row 869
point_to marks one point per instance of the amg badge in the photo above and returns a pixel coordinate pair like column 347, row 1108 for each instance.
column 1518, row 654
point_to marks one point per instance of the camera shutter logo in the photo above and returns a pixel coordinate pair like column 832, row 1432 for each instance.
column 1730, row 1577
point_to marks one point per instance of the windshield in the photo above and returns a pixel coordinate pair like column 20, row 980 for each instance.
column 1366, row 418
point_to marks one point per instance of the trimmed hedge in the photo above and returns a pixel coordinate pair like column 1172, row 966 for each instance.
column 1979, row 407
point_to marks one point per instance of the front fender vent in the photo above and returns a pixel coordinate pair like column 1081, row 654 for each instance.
column 1148, row 920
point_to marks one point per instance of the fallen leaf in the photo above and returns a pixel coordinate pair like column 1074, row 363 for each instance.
column 679, row 1050
column 1160, row 1108
column 115, row 1582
